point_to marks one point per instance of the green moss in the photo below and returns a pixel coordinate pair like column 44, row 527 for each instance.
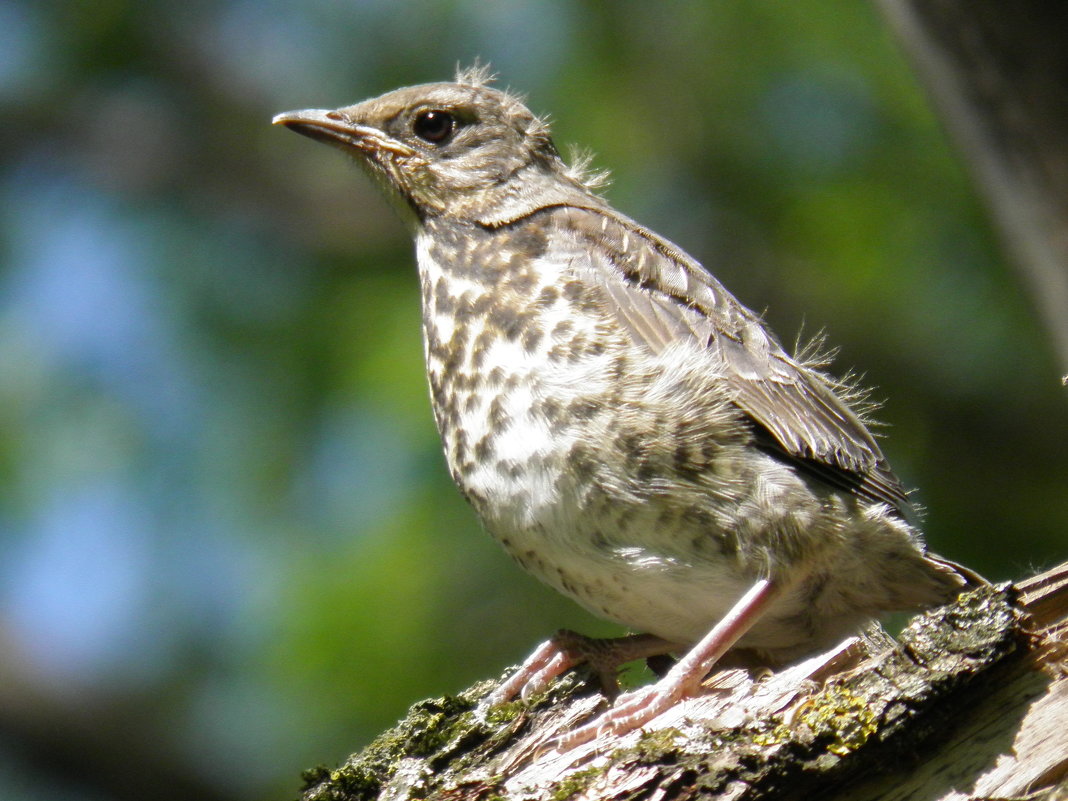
column 652, row 746
column 839, row 717
column 773, row 735
column 356, row 780
column 429, row 728
column 315, row 780
column 313, row 776
column 504, row 713
column 576, row 783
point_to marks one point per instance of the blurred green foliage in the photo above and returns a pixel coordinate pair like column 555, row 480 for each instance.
column 221, row 487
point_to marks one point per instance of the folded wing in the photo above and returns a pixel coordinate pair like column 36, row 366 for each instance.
column 660, row 295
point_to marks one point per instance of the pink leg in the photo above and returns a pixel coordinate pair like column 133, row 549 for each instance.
column 639, row 707
column 565, row 649
column 546, row 663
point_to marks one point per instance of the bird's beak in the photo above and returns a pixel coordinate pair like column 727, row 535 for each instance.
column 337, row 128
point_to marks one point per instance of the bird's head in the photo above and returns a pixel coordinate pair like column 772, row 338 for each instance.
column 463, row 150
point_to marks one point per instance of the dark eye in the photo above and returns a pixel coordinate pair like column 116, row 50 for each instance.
column 434, row 126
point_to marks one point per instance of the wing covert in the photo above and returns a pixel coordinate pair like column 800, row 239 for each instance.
column 660, row 295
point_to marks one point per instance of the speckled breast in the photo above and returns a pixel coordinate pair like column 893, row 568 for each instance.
column 511, row 343
column 567, row 439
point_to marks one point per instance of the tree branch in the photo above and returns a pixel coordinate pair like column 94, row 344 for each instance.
column 969, row 701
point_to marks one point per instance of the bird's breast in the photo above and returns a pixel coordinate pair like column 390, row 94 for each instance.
column 515, row 352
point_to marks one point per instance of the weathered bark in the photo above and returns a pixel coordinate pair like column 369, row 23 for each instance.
column 998, row 75
column 971, row 703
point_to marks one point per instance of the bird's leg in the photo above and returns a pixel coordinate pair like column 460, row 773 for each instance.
column 642, row 705
column 565, row 649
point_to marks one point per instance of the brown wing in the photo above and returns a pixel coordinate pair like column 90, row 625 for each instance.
column 659, row 295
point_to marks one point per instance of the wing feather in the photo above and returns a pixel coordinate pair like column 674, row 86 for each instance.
column 660, row 295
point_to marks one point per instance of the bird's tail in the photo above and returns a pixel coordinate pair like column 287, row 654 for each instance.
column 968, row 578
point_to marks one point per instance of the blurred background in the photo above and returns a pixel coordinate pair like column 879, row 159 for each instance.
column 229, row 547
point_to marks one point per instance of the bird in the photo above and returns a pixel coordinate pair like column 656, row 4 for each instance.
column 630, row 433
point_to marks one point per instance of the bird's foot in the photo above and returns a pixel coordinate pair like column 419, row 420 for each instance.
column 566, row 649
column 632, row 711
column 637, row 708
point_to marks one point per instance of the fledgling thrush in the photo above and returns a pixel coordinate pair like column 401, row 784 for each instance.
column 628, row 431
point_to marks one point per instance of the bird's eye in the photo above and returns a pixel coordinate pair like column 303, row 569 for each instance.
column 434, row 126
